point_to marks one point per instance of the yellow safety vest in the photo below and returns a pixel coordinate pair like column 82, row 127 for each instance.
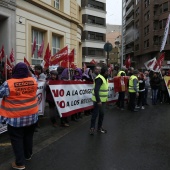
column 131, row 85
column 103, row 92
column 120, row 72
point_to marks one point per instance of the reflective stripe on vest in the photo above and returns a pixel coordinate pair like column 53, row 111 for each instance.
column 103, row 92
column 131, row 86
column 120, row 72
column 22, row 100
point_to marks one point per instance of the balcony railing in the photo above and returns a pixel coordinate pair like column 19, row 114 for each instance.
column 130, row 20
column 156, row 17
column 129, row 50
column 129, row 10
column 128, row 2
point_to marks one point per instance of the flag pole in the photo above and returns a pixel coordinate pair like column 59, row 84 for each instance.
column 6, row 68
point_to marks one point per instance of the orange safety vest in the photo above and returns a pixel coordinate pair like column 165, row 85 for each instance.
column 22, row 100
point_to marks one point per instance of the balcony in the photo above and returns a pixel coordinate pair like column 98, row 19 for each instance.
column 156, row 2
column 156, row 33
column 129, row 50
column 129, row 40
column 156, row 17
column 129, row 2
column 130, row 20
column 130, row 10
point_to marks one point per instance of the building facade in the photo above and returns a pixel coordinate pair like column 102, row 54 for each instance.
column 94, row 30
column 57, row 22
column 143, row 29
column 7, row 25
column 113, row 35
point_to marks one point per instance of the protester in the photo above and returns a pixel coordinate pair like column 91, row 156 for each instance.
column 87, row 75
column 155, row 84
column 96, row 71
column 39, row 72
column 99, row 98
column 121, row 82
column 163, row 88
column 50, row 100
column 147, row 85
column 141, row 97
column 77, row 77
column 122, row 72
column 133, row 90
column 19, row 110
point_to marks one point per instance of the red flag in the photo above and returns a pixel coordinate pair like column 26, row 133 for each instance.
column 40, row 51
column 93, row 62
column 73, row 66
column 47, row 61
column 128, row 62
column 26, row 62
column 34, row 46
column 159, row 62
column 2, row 53
column 64, row 64
column 47, row 56
column 12, row 59
column 59, row 56
column 71, row 56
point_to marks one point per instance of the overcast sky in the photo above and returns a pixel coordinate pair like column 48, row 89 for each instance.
column 114, row 12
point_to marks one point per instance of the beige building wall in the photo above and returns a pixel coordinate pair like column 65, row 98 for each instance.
column 41, row 15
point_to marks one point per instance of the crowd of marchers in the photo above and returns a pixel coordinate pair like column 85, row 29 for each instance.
column 139, row 84
column 20, row 110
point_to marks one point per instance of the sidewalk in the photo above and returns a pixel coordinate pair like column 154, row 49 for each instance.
column 46, row 135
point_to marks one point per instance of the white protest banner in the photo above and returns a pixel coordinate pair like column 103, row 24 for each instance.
column 41, row 97
column 165, row 34
column 75, row 96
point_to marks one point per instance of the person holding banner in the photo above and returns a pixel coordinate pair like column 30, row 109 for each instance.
column 50, row 100
column 133, row 90
column 19, row 110
column 99, row 98
column 155, row 85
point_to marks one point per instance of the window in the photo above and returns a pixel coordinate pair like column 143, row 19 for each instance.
column 160, row 40
column 95, row 51
column 147, row 2
column 57, row 4
column 165, row 7
column 96, row 4
column 137, row 24
column 147, row 16
column 156, row 25
column 155, row 40
column 164, row 23
column 160, row 24
column 137, row 12
column 137, row 47
column 146, row 44
column 96, row 20
column 38, row 35
column 146, row 30
column 55, row 44
column 91, row 51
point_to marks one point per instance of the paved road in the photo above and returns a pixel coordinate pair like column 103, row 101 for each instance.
column 135, row 141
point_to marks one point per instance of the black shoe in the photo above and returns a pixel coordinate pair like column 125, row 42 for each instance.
column 134, row 110
column 92, row 131
column 102, row 130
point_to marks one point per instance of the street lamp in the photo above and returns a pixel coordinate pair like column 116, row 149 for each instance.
column 108, row 47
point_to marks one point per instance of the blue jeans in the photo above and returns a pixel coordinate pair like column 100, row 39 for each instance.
column 97, row 111
column 154, row 96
